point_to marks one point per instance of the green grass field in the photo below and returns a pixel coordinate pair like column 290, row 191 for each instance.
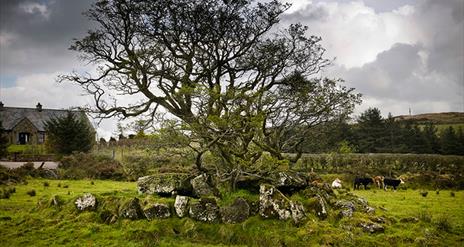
column 31, row 221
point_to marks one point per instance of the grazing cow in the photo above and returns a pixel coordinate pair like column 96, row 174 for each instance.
column 392, row 182
column 364, row 181
column 378, row 180
column 337, row 184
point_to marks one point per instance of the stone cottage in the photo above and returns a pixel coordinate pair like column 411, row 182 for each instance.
column 27, row 125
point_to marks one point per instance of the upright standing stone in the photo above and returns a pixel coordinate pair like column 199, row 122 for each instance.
column 181, row 205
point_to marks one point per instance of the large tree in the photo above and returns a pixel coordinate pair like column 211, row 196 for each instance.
column 69, row 133
column 222, row 67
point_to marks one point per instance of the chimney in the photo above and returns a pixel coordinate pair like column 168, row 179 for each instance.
column 1, row 106
column 38, row 107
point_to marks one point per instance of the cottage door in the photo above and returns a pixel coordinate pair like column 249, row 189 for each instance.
column 23, row 138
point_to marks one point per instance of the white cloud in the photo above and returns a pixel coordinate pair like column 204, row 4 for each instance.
column 355, row 33
column 35, row 8
column 297, row 5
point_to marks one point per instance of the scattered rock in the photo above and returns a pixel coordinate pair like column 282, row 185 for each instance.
column 165, row 184
column 344, row 204
column 86, row 202
column 272, row 203
column 346, row 208
column 380, row 220
column 363, row 202
column 181, row 205
column 108, row 217
column 289, row 182
column 298, row 212
column 321, row 207
column 202, row 186
column 132, row 210
column 157, row 210
column 346, row 213
column 369, row 210
column 205, row 210
column 56, row 201
column 238, row 212
column 409, row 220
column 322, row 190
column 372, row 227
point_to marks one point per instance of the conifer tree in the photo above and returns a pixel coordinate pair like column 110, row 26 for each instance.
column 68, row 134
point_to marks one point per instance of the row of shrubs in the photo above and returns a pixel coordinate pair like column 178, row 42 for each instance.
column 381, row 163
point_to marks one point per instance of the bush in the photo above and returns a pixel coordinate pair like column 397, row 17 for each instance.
column 31, row 192
column 138, row 166
column 443, row 224
column 425, row 216
column 82, row 165
column 5, row 194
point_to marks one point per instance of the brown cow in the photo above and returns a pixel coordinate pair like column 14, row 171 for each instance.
column 378, row 181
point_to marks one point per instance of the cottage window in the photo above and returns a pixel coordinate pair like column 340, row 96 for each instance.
column 41, row 137
column 24, row 138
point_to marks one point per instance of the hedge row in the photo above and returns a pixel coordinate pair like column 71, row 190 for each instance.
column 381, row 163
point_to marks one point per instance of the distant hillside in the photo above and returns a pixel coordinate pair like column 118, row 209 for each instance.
column 436, row 118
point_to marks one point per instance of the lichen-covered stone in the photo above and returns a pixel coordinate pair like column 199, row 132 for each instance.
column 202, row 186
column 321, row 207
column 289, row 182
column 323, row 190
column 272, row 203
column 131, row 210
column 346, row 208
column 165, row 184
column 369, row 210
column 372, row 227
column 205, row 210
column 409, row 220
column 157, row 210
column 181, row 205
column 238, row 212
column 86, row 202
column 298, row 212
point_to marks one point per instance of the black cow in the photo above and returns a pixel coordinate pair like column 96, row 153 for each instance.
column 364, row 181
column 392, row 182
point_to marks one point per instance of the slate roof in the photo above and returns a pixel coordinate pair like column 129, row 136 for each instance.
column 11, row 116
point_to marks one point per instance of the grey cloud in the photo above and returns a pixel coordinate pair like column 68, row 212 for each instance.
column 443, row 24
column 39, row 43
column 399, row 76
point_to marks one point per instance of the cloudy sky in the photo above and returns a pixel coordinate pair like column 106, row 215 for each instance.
column 399, row 54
